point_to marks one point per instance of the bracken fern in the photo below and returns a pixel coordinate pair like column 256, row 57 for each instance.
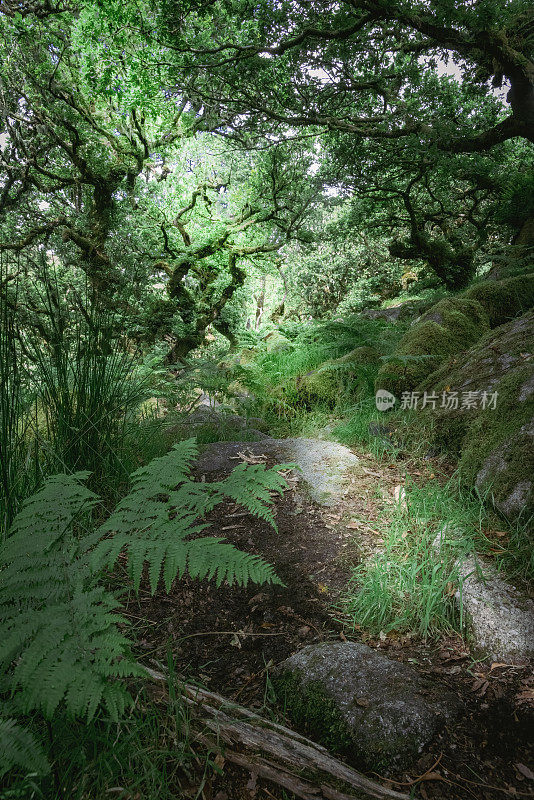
column 165, row 507
column 60, row 631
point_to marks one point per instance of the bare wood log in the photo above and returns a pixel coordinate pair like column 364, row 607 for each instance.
column 275, row 752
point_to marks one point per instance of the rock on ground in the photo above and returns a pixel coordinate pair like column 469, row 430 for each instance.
column 323, row 465
column 502, row 620
column 493, row 438
column 376, row 710
column 500, row 616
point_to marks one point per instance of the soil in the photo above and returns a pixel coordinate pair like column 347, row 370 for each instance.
column 229, row 638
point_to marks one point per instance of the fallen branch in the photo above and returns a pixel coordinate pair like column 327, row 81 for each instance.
column 274, row 752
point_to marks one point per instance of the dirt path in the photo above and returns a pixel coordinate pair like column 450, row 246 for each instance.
column 229, row 638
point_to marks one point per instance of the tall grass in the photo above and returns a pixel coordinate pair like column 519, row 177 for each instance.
column 274, row 377
column 85, row 386
column 409, row 584
column 17, row 478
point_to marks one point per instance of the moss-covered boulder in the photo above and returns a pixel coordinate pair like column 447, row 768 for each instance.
column 449, row 327
column 378, row 712
column 240, row 358
column 491, row 430
column 275, row 341
column 392, row 314
column 504, row 300
column 340, row 376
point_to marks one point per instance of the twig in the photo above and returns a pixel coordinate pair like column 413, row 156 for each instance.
column 415, row 780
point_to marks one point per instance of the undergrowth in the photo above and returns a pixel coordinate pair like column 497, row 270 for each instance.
column 410, row 584
column 64, row 652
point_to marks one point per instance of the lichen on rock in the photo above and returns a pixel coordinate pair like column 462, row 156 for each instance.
column 377, row 711
column 495, row 444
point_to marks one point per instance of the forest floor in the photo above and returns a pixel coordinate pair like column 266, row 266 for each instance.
column 229, row 638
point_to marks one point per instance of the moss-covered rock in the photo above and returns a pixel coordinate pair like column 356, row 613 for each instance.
column 357, row 702
column 313, row 711
column 493, row 437
column 240, row 358
column 275, row 341
column 449, row 327
column 338, row 377
column 498, row 449
column 504, row 300
column 361, row 355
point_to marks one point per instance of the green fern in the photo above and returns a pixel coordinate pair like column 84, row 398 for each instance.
column 60, row 629
column 20, row 749
column 60, row 640
column 165, row 507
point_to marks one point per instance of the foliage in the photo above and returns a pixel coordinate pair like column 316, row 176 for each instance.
column 62, row 644
column 160, row 528
column 409, row 585
column 15, row 477
column 86, row 387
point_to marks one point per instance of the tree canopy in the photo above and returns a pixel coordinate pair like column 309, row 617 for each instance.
column 158, row 147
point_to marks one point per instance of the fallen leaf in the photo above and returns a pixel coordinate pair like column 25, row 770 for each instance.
column 219, row 761
column 362, row 701
column 525, row 771
column 399, row 494
column 432, row 776
column 258, row 598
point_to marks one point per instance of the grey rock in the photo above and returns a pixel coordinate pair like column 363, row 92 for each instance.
column 499, row 615
column 387, row 711
column 323, row 465
column 391, row 314
column 501, row 618
column 507, row 458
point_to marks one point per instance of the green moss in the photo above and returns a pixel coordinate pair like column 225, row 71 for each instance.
column 504, row 300
column 494, row 453
column 498, row 431
column 340, row 377
column 314, row 712
column 452, row 325
column 361, row 355
column 276, row 341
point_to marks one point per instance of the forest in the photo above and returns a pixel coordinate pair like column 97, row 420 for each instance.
column 266, row 399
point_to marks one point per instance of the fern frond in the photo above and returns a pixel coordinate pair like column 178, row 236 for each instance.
column 251, row 486
column 59, row 641
column 19, row 748
column 154, row 524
